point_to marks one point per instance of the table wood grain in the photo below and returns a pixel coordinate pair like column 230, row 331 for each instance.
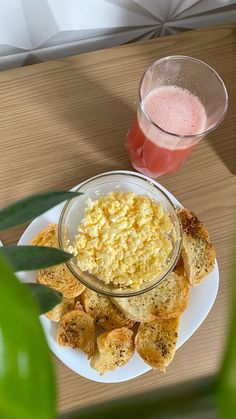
column 64, row 121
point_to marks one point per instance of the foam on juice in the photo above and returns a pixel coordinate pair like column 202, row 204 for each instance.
column 176, row 110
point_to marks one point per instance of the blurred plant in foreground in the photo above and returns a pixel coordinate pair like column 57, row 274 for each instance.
column 27, row 380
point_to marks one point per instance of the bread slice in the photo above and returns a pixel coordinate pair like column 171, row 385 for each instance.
column 166, row 301
column 104, row 312
column 114, row 349
column 156, row 342
column 46, row 237
column 58, row 277
column 61, row 279
column 198, row 252
column 78, row 305
column 76, row 330
column 67, row 304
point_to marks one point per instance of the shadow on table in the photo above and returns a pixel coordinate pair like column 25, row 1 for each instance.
column 223, row 142
column 94, row 114
column 97, row 117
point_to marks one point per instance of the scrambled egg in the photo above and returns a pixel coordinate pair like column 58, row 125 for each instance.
column 123, row 239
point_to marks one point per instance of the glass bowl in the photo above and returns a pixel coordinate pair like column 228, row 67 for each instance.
column 73, row 213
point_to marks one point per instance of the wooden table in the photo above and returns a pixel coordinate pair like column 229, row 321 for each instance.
column 64, row 121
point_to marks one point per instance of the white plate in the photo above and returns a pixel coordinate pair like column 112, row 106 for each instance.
column 201, row 301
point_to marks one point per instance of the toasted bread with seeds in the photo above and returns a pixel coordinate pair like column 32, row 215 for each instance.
column 198, row 252
column 58, row 277
column 58, row 311
column 104, row 312
column 166, row 301
column 156, row 342
column 76, row 330
column 114, row 349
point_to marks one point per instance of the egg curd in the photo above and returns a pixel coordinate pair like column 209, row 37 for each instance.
column 123, row 239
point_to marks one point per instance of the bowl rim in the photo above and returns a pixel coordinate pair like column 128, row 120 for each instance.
column 121, row 294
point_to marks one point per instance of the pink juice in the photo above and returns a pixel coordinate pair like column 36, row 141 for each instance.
column 176, row 111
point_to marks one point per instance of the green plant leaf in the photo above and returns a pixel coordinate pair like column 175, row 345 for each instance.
column 46, row 298
column 226, row 388
column 29, row 258
column 28, row 208
column 187, row 400
column 27, row 382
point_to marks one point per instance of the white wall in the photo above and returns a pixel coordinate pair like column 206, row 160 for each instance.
column 38, row 30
